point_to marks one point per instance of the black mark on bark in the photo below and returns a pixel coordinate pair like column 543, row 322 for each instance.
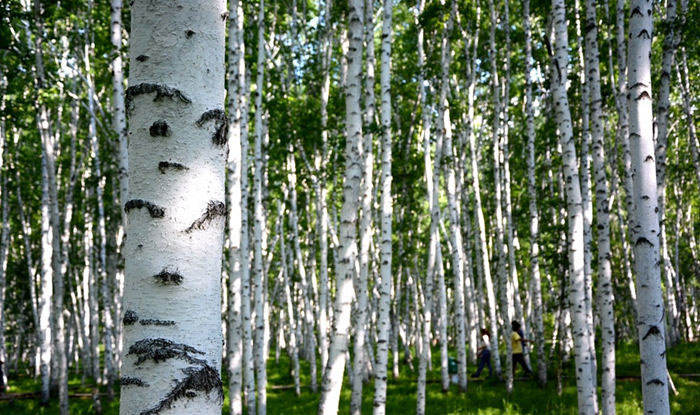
column 164, row 165
column 142, row 58
column 643, row 240
column 160, row 350
column 205, row 379
column 189, row 33
column 152, row 322
column 643, row 95
column 126, row 380
column 220, row 136
column 155, row 210
column 653, row 330
column 656, row 382
column 161, row 92
column 214, row 209
column 160, row 128
column 130, row 317
column 166, row 277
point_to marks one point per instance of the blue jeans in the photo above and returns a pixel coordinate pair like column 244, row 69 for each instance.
column 484, row 360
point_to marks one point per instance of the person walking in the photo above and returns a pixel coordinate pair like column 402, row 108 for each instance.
column 518, row 342
column 483, row 354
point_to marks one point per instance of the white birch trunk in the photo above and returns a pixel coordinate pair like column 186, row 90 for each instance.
column 444, row 131
column 321, row 192
column 384, row 322
column 366, row 230
column 101, row 227
column 425, row 330
column 605, row 289
column 671, row 40
column 293, row 325
column 51, row 316
column 586, row 197
column 119, row 126
column 246, row 291
column 46, row 289
column 235, row 85
column 307, row 311
column 501, row 266
column 259, row 224
column 333, row 376
column 177, row 156
column 577, row 288
column 535, row 282
column 650, row 322
column 511, row 237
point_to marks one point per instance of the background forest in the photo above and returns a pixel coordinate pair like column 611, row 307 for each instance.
column 463, row 214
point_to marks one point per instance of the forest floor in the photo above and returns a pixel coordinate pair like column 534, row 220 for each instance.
column 484, row 397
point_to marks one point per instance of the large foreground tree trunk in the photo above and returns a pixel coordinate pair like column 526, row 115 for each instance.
column 177, row 155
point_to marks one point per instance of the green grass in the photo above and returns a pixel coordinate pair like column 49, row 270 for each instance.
column 484, row 397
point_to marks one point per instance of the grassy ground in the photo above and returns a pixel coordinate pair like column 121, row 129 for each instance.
column 484, row 397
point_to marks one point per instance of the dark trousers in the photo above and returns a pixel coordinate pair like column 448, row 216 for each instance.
column 484, row 360
column 519, row 358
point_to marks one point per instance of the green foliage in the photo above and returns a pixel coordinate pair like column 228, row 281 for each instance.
column 484, row 396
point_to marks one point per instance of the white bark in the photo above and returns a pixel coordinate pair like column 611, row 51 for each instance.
column 585, row 177
column 321, row 192
column 177, row 155
column 577, row 294
column 259, row 224
column 307, row 311
column 500, row 251
column 333, row 376
column 235, row 86
column 119, row 126
column 46, row 288
column 605, row 289
column 511, row 237
column 366, row 230
column 101, row 227
column 384, row 322
column 425, row 331
column 534, row 214
column 50, row 305
column 650, row 321
column 444, row 129
column 671, row 40
column 289, row 302
column 246, row 293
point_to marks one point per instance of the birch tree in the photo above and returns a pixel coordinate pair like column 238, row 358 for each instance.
column 605, row 292
column 650, row 326
column 444, row 128
column 259, row 223
column 532, row 206
column 237, row 255
column 177, row 155
column 333, row 374
column 587, row 401
column 383, row 320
